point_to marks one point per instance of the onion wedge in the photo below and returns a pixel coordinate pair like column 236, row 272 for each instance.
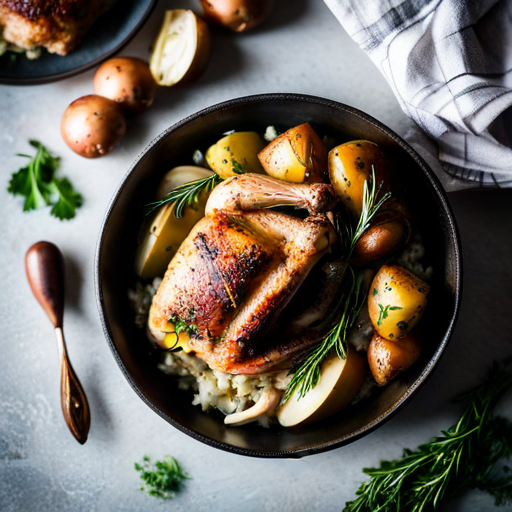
column 181, row 49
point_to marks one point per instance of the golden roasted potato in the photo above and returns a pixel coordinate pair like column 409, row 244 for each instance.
column 389, row 230
column 350, row 164
column 162, row 236
column 387, row 358
column 298, row 155
column 396, row 301
column 236, row 153
column 181, row 50
column 340, row 381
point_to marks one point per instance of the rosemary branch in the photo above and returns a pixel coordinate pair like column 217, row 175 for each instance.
column 464, row 456
column 186, row 195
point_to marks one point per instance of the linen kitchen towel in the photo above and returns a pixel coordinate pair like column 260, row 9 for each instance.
column 449, row 63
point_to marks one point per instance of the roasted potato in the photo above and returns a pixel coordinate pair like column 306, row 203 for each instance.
column 237, row 15
column 387, row 358
column 389, row 230
column 181, row 50
column 396, row 301
column 340, row 380
column 127, row 81
column 350, row 164
column 298, row 155
column 162, row 236
column 236, row 153
column 92, row 125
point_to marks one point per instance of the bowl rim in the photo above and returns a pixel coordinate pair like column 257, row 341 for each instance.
column 430, row 366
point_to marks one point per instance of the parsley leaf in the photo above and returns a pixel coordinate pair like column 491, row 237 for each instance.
column 68, row 199
column 163, row 478
column 36, row 182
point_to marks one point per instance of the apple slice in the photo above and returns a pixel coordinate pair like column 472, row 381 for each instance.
column 162, row 236
column 340, row 380
column 182, row 48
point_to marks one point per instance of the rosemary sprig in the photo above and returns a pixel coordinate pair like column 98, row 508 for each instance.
column 307, row 375
column 186, row 194
column 464, row 456
column 371, row 205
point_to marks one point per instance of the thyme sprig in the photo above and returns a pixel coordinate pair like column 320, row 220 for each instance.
column 186, row 195
column 464, row 456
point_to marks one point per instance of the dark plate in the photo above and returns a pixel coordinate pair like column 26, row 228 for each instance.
column 116, row 249
column 106, row 37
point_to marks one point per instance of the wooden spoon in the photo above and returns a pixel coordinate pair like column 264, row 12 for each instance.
column 44, row 265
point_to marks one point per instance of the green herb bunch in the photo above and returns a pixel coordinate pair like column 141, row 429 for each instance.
column 38, row 184
column 163, row 479
column 467, row 455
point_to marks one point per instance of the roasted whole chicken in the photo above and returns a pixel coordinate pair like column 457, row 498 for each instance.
column 239, row 268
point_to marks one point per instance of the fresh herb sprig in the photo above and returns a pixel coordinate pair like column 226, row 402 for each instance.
column 163, row 479
column 371, row 205
column 384, row 311
column 464, row 456
column 307, row 375
column 38, row 184
column 186, row 194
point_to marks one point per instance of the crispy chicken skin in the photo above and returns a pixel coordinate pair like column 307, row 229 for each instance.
column 238, row 269
column 57, row 25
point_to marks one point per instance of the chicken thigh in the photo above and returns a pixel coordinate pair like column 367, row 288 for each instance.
column 238, row 269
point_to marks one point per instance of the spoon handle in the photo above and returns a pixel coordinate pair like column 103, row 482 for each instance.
column 75, row 406
column 44, row 265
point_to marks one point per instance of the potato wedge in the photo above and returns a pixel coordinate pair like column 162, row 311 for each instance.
column 236, row 153
column 339, row 383
column 162, row 236
column 181, row 50
column 387, row 358
column 350, row 164
column 396, row 301
column 298, row 155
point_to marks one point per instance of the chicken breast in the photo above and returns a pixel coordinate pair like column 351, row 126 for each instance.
column 238, row 269
column 57, row 25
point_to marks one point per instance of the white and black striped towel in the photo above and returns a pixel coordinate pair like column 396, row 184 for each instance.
column 449, row 62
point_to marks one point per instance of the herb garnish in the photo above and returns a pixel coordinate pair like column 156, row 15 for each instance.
column 383, row 313
column 464, row 456
column 37, row 183
column 306, row 374
column 182, row 326
column 186, row 194
column 162, row 479
column 236, row 167
column 369, row 208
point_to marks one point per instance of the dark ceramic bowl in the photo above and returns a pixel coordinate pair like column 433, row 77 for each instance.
column 116, row 251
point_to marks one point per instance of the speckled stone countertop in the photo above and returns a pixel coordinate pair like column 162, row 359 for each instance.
column 300, row 49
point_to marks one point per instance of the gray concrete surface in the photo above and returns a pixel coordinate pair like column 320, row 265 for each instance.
column 301, row 49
